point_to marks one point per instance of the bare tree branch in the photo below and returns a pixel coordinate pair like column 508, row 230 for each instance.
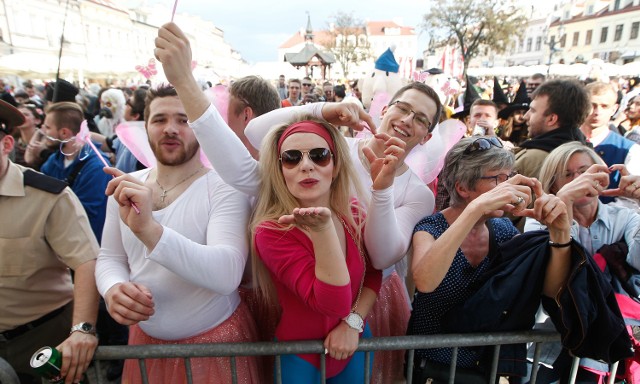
column 474, row 25
column 348, row 42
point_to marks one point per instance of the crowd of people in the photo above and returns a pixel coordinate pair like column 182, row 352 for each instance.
column 273, row 220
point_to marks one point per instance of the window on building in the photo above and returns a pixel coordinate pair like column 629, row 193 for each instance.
column 576, row 37
column 587, row 40
column 590, row 10
column 618, row 34
column 616, row 5
column 538, row 43
column 529, row 42
column 563, row 40
column 634, row 30
column 603, row 34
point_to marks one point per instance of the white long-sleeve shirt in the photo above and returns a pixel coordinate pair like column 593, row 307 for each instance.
column 391, row 215
column 194, row 270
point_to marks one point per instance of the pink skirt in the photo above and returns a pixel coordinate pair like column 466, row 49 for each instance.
column 238, row 328
column 389, row 317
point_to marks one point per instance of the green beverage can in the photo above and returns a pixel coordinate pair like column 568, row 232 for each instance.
column 47, row 362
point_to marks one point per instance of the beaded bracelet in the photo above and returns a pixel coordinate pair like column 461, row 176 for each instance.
column 561, row 245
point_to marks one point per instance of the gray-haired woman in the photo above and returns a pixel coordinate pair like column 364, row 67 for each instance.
column 453, row 248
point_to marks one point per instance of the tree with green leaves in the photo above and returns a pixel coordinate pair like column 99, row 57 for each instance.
column 474, row 25
column 348, row 41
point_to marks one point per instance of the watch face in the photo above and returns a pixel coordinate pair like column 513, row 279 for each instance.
column 86, row 327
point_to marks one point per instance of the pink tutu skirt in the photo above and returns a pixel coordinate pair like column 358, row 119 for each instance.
column 239, row 327
column 389, row 317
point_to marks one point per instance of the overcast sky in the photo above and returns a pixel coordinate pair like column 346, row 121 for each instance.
column 256, row 28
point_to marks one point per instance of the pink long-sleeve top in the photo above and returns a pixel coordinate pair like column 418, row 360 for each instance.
column 310, row 307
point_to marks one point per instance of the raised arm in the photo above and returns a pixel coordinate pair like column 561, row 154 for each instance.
column 348, row 114
column 259, row 126
column 432, row 257
column 226, row 152
column 551, row 211
column 389, row 228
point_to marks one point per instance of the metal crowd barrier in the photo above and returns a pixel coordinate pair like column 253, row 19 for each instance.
column 408, row 343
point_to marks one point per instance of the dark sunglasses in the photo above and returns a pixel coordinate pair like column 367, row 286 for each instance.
column 292, row 157
column 483, row 144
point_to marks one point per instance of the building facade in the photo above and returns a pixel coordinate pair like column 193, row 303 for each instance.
column 379, row 36
column 104, row 40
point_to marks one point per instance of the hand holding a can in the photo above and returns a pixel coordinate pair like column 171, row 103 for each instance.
column 129, row 303
column 77, row 351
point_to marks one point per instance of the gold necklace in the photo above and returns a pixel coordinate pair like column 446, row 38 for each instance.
column 165, row 191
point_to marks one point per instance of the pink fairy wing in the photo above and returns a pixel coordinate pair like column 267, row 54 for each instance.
column 134, row 136
column 83, row 135
column 427, row 160
column 219, row 97
column 380, row 100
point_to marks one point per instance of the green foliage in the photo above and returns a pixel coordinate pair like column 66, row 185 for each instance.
column 475, row 25
column 348, row 41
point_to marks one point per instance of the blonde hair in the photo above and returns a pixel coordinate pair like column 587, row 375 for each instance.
column 555, row 164
column 275, row 199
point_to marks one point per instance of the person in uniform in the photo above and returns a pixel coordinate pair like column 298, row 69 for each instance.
column 44, row 233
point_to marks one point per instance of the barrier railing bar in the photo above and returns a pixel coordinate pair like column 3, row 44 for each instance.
column 234, row 371
column 536, row 359
column 453, row 366
column 143, row 371
column 367, row 363
column 574, row 370
column 410, row 356
column 612, row 371
column 278, row 370
column 323, row 367
column 113, row 352
column 98, row 368
column 494, row 364
column 187, row 369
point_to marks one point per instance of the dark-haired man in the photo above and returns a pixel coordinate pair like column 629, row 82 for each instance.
column 557, row 110
column 172, row 271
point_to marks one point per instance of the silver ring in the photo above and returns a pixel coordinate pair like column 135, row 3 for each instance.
column 326, row 351
column 596, row 185
column 635, row 185
column 520, row 200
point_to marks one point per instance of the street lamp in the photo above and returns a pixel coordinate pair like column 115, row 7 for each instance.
column 553, row 45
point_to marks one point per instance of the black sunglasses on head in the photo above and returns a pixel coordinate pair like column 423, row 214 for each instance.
column 483, row 144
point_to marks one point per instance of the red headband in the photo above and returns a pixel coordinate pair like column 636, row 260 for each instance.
column 307, row 126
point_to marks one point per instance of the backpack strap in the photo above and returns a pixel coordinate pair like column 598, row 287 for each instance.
column 71, row 179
